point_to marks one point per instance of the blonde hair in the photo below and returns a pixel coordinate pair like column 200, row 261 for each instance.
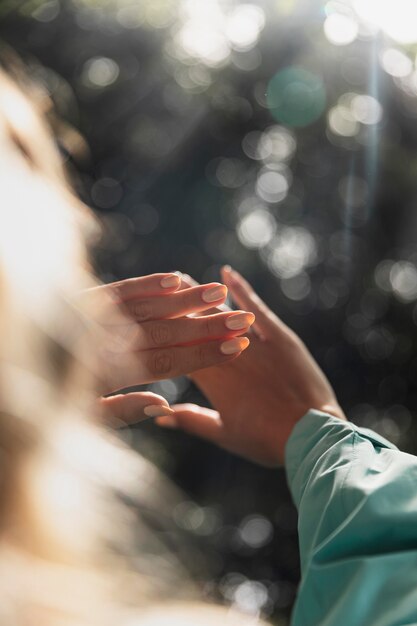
column 54, row 493
column 66, row 529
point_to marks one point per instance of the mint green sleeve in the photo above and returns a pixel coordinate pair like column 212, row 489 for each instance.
column 356, row 496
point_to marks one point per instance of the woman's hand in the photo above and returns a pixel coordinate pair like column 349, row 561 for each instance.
column 146, row 336
column 259, row 397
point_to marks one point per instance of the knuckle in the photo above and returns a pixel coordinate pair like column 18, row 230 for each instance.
column 207, row 326
column 125, row 338
column 201, row 356
column 141, row 311
column 160, row 334
column 182, row 299
column 115, row 292
column 161, row 362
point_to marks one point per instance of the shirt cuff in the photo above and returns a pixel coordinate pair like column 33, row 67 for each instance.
column 315, row 433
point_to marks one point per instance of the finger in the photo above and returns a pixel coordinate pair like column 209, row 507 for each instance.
column 187, row 281
column 143, row 286
column 245, row 296
column 146, row 367
column 133, row 407
column 171, row 362
column 196, row 420
column 184, row 302
column 191, row 330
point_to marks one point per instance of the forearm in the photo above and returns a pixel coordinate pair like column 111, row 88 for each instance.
column 355, row 495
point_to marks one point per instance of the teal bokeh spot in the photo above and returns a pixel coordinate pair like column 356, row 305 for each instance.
column 296, row 97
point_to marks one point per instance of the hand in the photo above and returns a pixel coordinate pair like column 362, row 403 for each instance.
column 146, row 337
column 259, row 397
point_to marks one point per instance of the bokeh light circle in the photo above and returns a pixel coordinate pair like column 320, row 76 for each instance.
column 403, row 278
column 272, row 186
column 340, row 29
column 244, row 25
column 256, row 229
column 341, row 121
column 396, row 63
column 100, row 72
column 366, row 109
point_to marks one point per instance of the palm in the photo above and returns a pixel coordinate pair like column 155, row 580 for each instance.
column 261, row 395
column 253, row 399
column 237, row 403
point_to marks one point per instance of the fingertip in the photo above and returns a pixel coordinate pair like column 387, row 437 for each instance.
column 226, row 273
column 251, row 317
column 171, row 281
column 148, row 397
column 240, row 320
column 245, row 343
column 187, row 407
column 167, row 421
column 240, row 283
column 155, row 405
column 158, row 410
column 234, row 346
column 215, row 292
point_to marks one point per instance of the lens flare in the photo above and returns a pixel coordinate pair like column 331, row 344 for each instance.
column 296, row 97
column 397, row 19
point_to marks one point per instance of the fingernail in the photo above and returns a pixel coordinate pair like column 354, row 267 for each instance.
column 167, row 421
column 234, row 345
column 215, row 293
column 189, row 279
column 170, row 281
column 157, row 410
column 240, row 321
column 232, row 274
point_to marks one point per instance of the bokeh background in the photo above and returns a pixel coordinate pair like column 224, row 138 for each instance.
column 278, row 136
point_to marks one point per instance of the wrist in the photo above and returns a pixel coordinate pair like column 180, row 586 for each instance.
column 333, row 409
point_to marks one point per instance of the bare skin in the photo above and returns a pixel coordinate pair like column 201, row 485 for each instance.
column 260, row 396
column 145, row 334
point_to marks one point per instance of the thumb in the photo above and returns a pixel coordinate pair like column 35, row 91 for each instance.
column 196, row 420
column 129, row 408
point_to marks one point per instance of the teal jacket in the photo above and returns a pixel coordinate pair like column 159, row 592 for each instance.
column 356, row 496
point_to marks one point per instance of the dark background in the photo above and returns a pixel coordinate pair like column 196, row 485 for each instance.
column 223, row 132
